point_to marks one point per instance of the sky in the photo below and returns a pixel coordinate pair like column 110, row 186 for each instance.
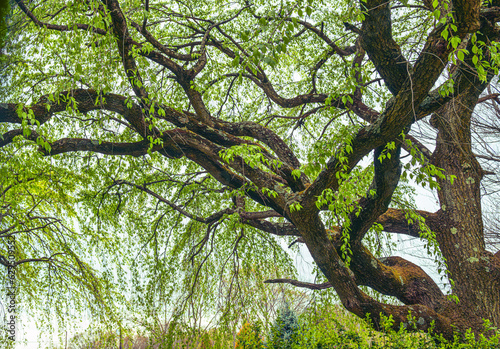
column 29, row 336
column 408, row 248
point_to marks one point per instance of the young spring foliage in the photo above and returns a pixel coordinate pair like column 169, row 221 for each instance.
column 179, row 150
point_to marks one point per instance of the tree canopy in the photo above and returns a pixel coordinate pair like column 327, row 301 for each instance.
column 181, row 146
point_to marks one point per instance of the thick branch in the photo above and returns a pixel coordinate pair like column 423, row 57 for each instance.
column 356, row 301
column 86, row 100
column 297, row 283
column 395, row 276
column 466, row 13
column 398, row 115
column 383, row 51
column 8, row 137
column 124, row 45
column 379, row 195
column 395, row 221
column 279, row 229
column 140, row 148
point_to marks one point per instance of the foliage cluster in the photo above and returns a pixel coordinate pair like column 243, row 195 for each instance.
column 172, row 180
column 332, row 327
column 249, row 337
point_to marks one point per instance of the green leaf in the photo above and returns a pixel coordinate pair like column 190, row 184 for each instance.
column 444, row 34
column 455, row 41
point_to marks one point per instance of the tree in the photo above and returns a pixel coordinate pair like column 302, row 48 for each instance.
column 284, row 332
column 265, row 114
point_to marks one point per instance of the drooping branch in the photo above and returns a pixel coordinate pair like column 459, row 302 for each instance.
column 58, row 27
column 207, row 220
column 254, row 219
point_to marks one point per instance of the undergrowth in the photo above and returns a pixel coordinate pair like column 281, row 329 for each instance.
column 315, row 328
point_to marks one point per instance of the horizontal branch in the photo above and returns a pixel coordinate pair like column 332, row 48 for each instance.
column 492, row 96
column 8, row 137
column 279, row 229
column 82, row 100
column 297, row 283
column 396, row 221
column 66, row 145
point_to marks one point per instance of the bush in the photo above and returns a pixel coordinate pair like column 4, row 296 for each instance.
column 249, row 337
column 327, row 329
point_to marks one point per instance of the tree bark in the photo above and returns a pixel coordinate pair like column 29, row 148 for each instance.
column 460, row 230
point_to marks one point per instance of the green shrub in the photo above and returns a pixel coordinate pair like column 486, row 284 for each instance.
column 249, row 337
column 330, row 329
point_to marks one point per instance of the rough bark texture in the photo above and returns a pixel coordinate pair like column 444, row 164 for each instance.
column 201, row 137
column 460, row 230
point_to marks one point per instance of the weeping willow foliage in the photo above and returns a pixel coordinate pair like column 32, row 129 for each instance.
column 127, row 238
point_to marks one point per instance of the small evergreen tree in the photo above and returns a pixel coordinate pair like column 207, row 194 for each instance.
column 249, row 337
column 285, row 329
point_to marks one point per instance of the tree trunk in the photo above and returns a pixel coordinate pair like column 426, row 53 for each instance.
column 460, row 229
